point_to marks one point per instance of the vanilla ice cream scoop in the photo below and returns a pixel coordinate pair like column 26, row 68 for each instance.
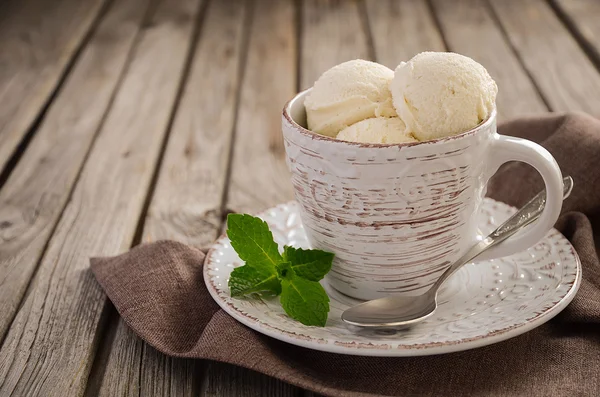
column 377, row 130
column 348, row 93
column 438, row 94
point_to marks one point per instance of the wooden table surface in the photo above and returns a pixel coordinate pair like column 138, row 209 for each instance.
column 129, row 121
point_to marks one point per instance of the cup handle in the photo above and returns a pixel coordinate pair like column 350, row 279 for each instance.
column 506, row 148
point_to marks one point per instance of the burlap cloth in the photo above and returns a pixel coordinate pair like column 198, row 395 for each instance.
column 159, row 291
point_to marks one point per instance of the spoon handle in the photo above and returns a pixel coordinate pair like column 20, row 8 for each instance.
column 523, row 217
column 529, row 212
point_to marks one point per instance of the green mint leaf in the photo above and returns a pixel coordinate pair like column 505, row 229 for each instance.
column 284, row 270
column 303, row 300
column 253, row 241
column 309, row 264
column 294, row 275
column 247, row 279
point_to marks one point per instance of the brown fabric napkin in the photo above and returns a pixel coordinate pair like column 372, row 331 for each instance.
column 159, row 291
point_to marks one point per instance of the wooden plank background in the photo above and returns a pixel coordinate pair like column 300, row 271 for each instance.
column 38, row 40
column 136, row 120
column 37, row 190
column 64, row 306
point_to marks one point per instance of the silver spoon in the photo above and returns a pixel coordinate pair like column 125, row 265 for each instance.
column 397, row 311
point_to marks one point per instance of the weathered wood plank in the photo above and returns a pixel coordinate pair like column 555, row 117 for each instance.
column 126, row 349
column 565, row 76
column 189, row 194
column 37, row 41
column 229, row 381
column 332, row 32
column 162, row 375
column 259, row 177
column 583, row 18
column 459, row 20
column 38, row 188
column 186, row 205
column 401, row 29
column 50, row 345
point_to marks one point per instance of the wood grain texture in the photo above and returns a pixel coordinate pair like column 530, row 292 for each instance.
column 162, row 375
column 459, row 20
column 126, row 348
column 564, row 74
column 401, row 29
column 583, row 17
column 37, row 41
column 228, row 381
column 259, row 175
column 332, row 32
column 186, row 205
column 49, row 348
column 187, row 201
column 38, row 188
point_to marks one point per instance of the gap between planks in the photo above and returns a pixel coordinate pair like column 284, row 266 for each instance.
column 566, row 77
column 257, row 163
column 401, row 29
column 581, row 18
column 517, row 93
column 98, row 220
column 38, row 59
column 35, row 196
column 189, row 188
column 131, row 367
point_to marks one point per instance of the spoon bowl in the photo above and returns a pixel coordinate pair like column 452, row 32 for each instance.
column 394, row 311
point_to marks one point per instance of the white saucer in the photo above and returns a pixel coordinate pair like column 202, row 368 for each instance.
column 484, row 303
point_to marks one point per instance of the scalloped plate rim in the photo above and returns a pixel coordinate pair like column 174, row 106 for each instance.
column 407, row 350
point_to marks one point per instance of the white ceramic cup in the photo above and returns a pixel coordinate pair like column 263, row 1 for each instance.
column 396, row 215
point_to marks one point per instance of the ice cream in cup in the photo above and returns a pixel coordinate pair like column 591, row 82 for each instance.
column 390, row 169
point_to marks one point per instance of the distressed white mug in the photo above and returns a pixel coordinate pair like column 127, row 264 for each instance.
column 396, row 215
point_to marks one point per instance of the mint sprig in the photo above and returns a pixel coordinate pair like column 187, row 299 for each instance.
column 294, row 275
